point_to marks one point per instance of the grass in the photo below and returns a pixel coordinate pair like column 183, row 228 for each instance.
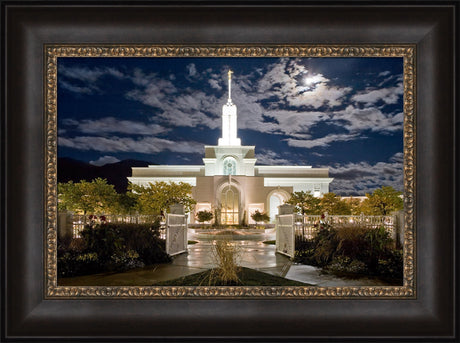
column 272, row 242
column 246, row 276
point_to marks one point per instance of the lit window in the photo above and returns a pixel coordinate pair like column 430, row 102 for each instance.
column 317, row 190
column 230, row 206
column 229, row 166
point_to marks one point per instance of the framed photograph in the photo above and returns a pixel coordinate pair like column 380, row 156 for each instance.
column 284, row 105
column 199, row 164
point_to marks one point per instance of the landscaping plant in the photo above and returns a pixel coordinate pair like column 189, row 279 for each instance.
column 226, row 255
column 112, row 247
column 352, row 250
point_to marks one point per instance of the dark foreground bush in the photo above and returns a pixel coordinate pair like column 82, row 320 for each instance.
column 352, row 250
column 112, row 247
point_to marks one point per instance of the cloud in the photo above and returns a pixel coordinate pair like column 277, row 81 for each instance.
column 113, row 125
column 146, row 145
column 69, row 75
column 356, row 119
column 390, row 95
column 269, row 157
column 104, row 160
column 292, row 82
column 282, row 98
column 187, row 108
column 77, row 89
column 363, row 177
column 214, row 84
column 191, row 69
column 322, row 141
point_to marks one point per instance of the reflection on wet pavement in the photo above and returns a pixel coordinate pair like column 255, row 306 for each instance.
column 253, row 253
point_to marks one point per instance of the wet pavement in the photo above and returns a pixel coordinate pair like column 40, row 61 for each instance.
column 251, row 253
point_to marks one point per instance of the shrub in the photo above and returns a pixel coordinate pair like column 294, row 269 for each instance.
column 258, row 216
column 112, row 247
column 352, row 249
column 145, row 239
column 346, row 265
column 392, row 265
column 226, row 255
column 73, row 263
column 204, row 216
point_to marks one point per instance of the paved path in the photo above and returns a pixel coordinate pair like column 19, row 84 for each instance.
column 253, row 253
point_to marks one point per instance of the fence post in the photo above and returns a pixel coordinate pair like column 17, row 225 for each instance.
column 65, row 225
column 399, row 228
column 176, row 230
column 177, row 209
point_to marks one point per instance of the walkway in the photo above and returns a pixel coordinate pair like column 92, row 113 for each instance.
column 253, row 253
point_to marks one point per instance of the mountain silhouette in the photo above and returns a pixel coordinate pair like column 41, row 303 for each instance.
column 69, row 169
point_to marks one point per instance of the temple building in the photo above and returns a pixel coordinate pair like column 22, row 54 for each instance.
column 231, row 182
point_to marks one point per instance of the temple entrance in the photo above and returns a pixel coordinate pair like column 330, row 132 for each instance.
column 230, row 206
column 275, row 199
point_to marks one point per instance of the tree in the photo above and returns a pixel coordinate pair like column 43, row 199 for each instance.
column 158, row 196
column 258, row 216
column 125, row 204
column 95, row 197
column 382, row 201
column 204, row 216
column 305, row 203
column 333, row 204
column 355, row 205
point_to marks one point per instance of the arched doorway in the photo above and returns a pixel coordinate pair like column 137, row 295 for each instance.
column 229, row 200
column 275, row 199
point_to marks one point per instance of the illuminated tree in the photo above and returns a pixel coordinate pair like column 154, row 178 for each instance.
column 158, row 196
column 382, row 201
column 333, row 204
column 95, row 197
column 305, row 203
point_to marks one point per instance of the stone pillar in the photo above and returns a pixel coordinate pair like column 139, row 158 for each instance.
column 398, row 233
column 177, row 209
column 286, row 209
column 65, row 225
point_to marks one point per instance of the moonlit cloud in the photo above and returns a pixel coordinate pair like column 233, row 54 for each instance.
column 287, row 101
column 146, row 145
column 85, row 75
column 355, row 119
column 322, row 141
column 262, row 98
column 363, row 177
column 77, row 89
column 268, row 157
column 389, row 95
column 113, row 125
column 104, row 160
column 215, row 84
column 191, row 68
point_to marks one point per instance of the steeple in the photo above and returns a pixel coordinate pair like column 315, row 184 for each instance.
column 229, row 119
column 230, row 72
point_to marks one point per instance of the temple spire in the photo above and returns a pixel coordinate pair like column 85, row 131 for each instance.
column 230, row 72
column 229, row 119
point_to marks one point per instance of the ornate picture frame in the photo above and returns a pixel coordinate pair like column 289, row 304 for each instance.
column 407, row 52
column 35, row 308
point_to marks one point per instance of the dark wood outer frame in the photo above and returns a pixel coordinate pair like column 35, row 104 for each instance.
column 26, row 27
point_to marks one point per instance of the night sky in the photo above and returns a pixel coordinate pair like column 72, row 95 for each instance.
column 341, row 113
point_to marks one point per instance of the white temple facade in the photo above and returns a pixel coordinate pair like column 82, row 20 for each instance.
column 229, row 179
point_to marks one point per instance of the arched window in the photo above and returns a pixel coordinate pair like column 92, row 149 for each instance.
column 229, row 166
column 230, row 204
column 275, row 201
